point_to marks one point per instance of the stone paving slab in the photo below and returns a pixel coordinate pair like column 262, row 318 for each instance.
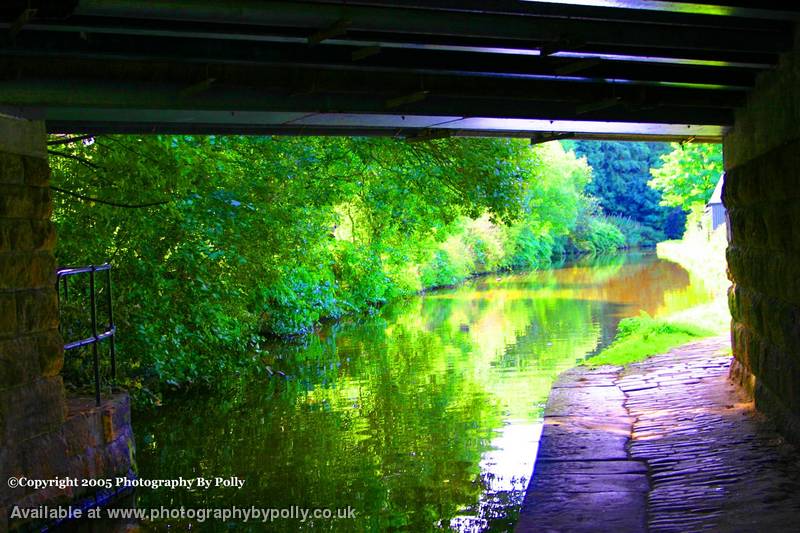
column 575, row 438
column 611, row 467
column 578, row 377
column 583, row 447
column 668, row 444
column 581, row 482
column 618, row 511
column 589, row 400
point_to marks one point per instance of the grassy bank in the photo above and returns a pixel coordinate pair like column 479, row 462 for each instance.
column 640, row 337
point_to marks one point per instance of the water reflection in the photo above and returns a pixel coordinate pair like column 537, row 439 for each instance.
column 424, row 417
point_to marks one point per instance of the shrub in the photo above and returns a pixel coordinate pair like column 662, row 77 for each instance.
column 637, row 234
column 485, row 242
column 527, row 250
column 597, row 235
column 452, row 262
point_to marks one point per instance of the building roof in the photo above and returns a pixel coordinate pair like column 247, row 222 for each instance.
column 651, row 69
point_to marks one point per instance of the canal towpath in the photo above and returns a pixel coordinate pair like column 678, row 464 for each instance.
column 667, row 444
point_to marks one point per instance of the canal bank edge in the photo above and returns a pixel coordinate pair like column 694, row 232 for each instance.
column 667, row 444
column 584, row 476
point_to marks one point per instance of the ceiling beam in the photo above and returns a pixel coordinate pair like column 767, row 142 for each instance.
column 765, row 10
column 200, row 128
column 133, row 101
column 138, row 32
column 729, row 14
column 61, row 81
column 413, row 61
column 369, row 20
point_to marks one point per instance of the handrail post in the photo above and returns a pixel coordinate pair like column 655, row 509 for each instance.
column 111, row 327
column 93, row 300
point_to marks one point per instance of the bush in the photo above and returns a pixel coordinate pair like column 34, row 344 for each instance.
column 527, row 250
column 636, row 234
column 485, row 243
column 452, row 263
column 297, row 300
column 598, row 235
column 361, row 277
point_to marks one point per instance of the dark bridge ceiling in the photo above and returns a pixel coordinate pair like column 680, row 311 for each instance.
column 413, row 68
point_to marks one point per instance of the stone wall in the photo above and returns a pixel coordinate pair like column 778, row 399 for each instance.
column 42, row 435
column 762, row 195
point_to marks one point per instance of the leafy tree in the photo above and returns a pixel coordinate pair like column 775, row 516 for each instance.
column 620, row 172
column 553, row 203
column 689, row 174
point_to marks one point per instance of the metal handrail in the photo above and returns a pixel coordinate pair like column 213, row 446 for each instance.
column 109, row 333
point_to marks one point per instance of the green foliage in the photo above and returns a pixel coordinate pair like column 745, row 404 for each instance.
column 297, row 300
column 637, row 235
column 620, row 172
column 528, row 250
column 485, row 242
column 222, row 238
column 641, row 337
column 688, row 175
column 598, row 235
column 553, row 205
column 218, row 242
column 443, row 270
column 594, row 232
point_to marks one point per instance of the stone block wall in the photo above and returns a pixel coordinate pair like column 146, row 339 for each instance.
column 42, row 435
column 762, row 195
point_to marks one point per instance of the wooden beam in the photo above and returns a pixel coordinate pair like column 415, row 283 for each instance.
column 334, row 30
column 454, row 25
column 544, row 137
column 398, row 101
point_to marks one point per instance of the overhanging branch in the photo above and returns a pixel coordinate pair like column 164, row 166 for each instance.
column 107, row 202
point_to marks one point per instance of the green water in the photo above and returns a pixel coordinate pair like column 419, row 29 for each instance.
column 424, row 417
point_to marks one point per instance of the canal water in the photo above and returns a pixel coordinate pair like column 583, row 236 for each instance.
column 424, row 417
